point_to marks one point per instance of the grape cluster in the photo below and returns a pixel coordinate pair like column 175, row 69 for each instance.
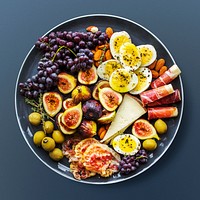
column 45, row 79
column 129, row 164
column 71, row 50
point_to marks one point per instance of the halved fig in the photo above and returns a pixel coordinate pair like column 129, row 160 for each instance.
column 107, row 117
column 66, row 82
column 143, row 129
column 88, row 76
column 109, row 98
column 81, row 93
column 99, row 85
column 52, row 103
column 72, row 116
column 64, row 129
column 68, row 103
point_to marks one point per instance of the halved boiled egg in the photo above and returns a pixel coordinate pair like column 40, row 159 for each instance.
column 148, row 54
column 116, row 41
column 126, row 144
column 105, row 70
column 123, row 80
column 129, row 56
column 144, row 76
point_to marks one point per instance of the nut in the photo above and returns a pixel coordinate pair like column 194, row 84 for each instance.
column 155, row 74
column 159, row 64
column 163, row 69
column 108, row 55
column 98, row 54
column 92, row 29
column 109, row 31
column 151, row 66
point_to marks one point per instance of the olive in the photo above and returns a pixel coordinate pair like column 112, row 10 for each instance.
column 48, row 126
column 160, row 126
column 149, row 144
column 58, row 136
column 37, row 137
column 56, row 154
column 35, row 118
column 48, row 144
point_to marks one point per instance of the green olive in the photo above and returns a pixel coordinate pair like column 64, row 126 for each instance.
column 38, row 137
column 58, row 136
column 149, row 144
column 48, row 144
column 160, row 126
column 48, row 127
column 35, row 118
column 56, row 154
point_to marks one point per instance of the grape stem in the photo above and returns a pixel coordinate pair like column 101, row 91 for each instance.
column 61, row 47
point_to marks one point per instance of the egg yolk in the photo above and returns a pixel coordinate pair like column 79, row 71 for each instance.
column 111, row 67
column 142, row 82
column 119, row 41
column 146, row 55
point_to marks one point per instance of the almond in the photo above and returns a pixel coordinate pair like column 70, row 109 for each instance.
column 98, row 55
column 159, row 64
column 155, row 74
column 163, row 69
column 109, row 31
column 92, row 29
column 152, row 66
column 108, row 55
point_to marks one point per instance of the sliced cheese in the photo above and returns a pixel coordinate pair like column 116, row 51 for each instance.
column 130, row 110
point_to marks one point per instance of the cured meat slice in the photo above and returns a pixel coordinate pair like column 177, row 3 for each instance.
column 172, row 98
column 153, row 95
column 167, row 77
column 101, row 159
column 162, row 112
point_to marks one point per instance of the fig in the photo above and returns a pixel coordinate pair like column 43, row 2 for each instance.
column 52, row 102
column 72, row 116
column 92, row 110
column 68, row 103
column 88, row 128
column 81, row 93
column 107, row 117
column 63, row 128
column 88, row 76
column 109, row 98
column 143, row 130
column 101, row 84
column 66, row 82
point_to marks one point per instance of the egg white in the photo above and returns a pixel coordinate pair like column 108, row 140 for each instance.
column 105, row 70
column 124, row 147
column 123, row 80
column 144, row 80
column 148, row 54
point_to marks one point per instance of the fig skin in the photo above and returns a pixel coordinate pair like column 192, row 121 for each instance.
column 88, row 128
column 88, row 77
column 107, row 117
column 92, row 110
column 66, row 82
column 109, row 98
column 68, row 103
column 52, row 102
column 99, row 85
column 81, row 93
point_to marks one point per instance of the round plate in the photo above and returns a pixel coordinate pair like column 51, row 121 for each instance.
column 139, row 35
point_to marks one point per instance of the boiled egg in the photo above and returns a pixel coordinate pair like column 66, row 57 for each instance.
column 144, row 76
column 148, row 54
column 116, row 41
column 129, row 56
column 105, row 70
column 123, row 80
column 126, row 144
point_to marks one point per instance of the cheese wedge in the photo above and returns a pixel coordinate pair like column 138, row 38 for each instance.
column 130, row 110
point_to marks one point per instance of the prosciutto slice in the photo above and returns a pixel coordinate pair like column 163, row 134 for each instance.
column 167, row 77
column 162, row 112
column 172, row 98
column 155, row 94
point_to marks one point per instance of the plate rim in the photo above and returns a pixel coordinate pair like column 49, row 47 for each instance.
column 110, row 181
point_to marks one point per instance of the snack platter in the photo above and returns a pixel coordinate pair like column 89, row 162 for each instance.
column 92, row 126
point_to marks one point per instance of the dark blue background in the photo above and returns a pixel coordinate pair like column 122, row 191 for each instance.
column 175, row 176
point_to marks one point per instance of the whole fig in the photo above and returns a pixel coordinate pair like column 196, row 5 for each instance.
column 88, row 128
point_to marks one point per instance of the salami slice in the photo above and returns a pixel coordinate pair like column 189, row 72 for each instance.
column 172, row 98
column 155, row 94
column 162, row 112
column 167, row 77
